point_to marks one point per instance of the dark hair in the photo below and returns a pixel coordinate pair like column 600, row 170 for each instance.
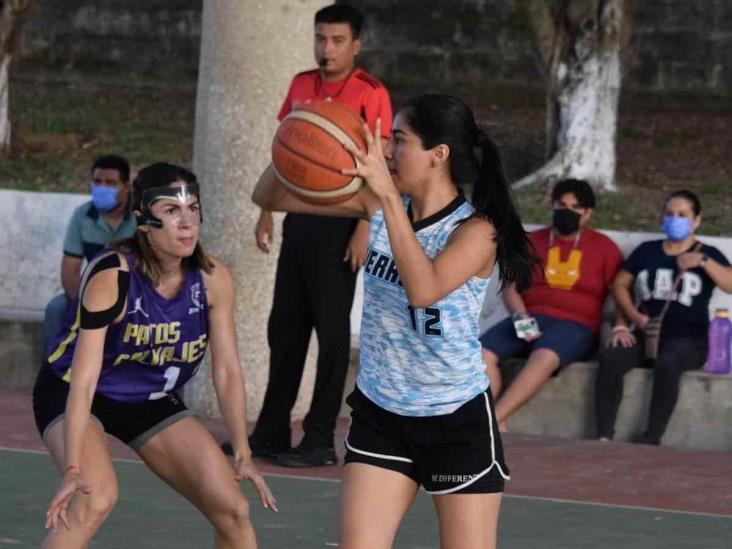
column 113, row 162
column 474, row 160
column 686, row 195
column 579, row 188
column 341, row 13
column 159, row 174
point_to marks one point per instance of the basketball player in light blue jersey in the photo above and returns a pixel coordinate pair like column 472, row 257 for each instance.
column 422, row 412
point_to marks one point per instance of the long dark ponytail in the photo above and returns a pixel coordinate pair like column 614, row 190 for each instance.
column 474, row 160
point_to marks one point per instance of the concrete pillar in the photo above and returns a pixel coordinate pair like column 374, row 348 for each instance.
column 250, row 50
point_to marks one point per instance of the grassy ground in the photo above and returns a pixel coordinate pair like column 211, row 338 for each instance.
column 60, row 127
column 62, row 124
column 639, row 209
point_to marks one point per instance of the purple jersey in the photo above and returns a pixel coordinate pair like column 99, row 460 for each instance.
column 154, row 350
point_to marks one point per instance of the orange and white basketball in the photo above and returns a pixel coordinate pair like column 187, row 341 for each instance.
column 308, row 152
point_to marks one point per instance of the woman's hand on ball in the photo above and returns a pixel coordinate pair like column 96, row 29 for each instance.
column 371, row 164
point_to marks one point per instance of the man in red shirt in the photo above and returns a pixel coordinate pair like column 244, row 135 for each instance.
column 318, row 262
column 557, row 320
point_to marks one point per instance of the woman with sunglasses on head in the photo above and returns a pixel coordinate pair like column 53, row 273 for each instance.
column 422, row 409
column 146, row 312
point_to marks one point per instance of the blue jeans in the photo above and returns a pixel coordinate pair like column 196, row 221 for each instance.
column 53, row 319
column 570, row 340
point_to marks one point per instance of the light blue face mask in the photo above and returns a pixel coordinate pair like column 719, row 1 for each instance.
column 676, row 228
column 104, row 198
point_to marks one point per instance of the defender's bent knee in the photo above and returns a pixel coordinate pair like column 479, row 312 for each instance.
column 234, row 520
column 96, row 506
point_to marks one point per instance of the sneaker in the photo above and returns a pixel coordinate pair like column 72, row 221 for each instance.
column 307, row 457
column 259, row 449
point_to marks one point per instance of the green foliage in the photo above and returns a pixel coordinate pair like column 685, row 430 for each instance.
column 59, row 128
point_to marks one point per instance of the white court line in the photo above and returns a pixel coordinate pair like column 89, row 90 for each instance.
column 45, row 453
column 139, row 462
column 620, row 506
column 539, row 498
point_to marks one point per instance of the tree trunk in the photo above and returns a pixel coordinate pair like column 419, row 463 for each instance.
column 4, row 106
column 582, row 96
column 238, row 98
column 12, row 15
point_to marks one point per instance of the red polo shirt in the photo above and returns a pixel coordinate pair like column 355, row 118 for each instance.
column 359, row 91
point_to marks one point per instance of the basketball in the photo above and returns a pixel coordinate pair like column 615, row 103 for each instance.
column 308, row 152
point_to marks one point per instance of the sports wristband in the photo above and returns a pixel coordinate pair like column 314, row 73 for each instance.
column 617, row 329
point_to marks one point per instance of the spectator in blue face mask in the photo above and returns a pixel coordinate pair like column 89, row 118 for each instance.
column 652, row 271
column 106, row 217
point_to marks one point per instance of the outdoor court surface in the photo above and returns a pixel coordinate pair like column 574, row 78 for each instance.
column 564, row 494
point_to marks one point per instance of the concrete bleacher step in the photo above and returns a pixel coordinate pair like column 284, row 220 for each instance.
column 21, row 344
column 564, row 406
column 30, row 252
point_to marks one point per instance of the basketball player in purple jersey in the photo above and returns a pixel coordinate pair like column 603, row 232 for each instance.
column 146, row 312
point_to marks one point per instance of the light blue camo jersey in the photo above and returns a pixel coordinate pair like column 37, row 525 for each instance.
column 419, row 362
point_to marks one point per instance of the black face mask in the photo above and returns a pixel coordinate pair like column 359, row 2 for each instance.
column 566, row 221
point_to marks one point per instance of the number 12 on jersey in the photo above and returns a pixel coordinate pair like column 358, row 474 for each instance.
column 426, row 321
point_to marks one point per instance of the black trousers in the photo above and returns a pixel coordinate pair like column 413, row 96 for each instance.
column 313, row 289
column 675, row 356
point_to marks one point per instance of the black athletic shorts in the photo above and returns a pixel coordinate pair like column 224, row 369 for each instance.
column 134, row 423
column 457, row 453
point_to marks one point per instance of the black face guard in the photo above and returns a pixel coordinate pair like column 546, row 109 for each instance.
column 153, row 194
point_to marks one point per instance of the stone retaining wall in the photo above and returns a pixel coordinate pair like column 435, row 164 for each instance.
column 679, row 46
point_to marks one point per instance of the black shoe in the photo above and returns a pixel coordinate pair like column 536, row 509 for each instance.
column 307, row 457
column 259, row 449
column 648, row 440
column 651, row 441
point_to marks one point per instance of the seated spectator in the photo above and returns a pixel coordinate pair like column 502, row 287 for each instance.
column 653, row 268
column 564, row 303
column 106, row 217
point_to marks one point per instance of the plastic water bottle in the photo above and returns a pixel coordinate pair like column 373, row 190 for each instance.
column 720, row 337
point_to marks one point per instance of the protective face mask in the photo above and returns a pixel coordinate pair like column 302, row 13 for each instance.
column 104, row 198
column 181, row 195
column 676, row 228
column 566, row 221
